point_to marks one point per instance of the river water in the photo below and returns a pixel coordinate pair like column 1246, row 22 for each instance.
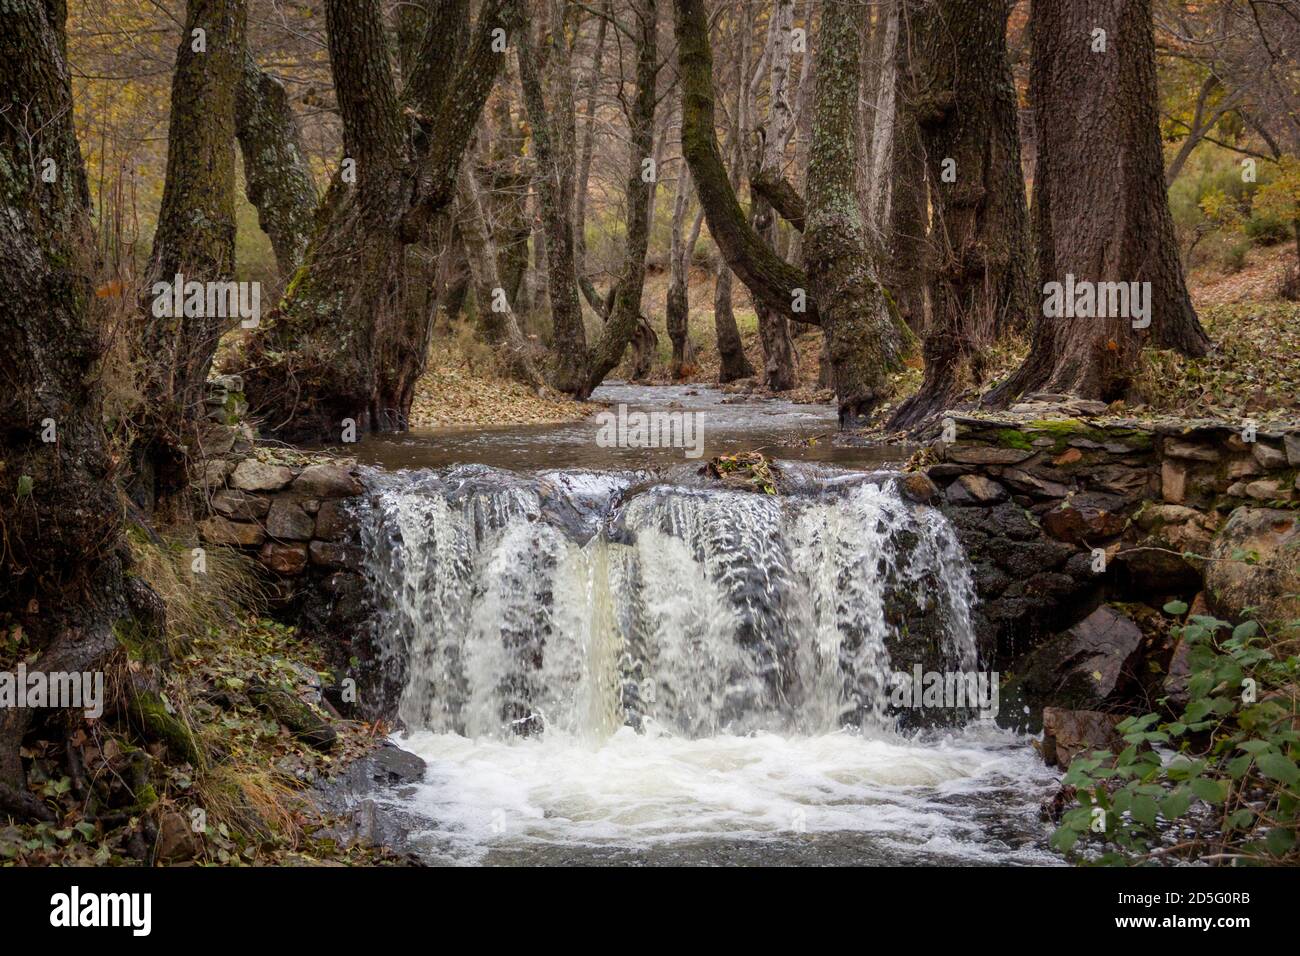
column 605, row 657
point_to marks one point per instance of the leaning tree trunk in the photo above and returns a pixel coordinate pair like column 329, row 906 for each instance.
column 862, row 339
column 1100, row 222
column 277, row 179
column 61, row 565
column 195, row 238
column 778, row 285
column 965, row 102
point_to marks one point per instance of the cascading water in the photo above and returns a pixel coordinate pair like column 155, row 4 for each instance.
column 615, row 660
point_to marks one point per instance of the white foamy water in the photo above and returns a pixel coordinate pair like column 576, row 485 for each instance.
column 601, row 668
column 842, row 797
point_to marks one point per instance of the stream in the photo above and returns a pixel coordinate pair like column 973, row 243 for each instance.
column 606, row 657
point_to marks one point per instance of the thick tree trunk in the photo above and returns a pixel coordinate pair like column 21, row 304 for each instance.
column 277, row 179
column 965, row 101
column 61, row 566
column 1100, row 222
column 778, row 285
column 195, row 237
column 862, row 339
column 346, row 344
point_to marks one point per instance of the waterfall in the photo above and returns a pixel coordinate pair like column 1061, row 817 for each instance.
column 580, row 603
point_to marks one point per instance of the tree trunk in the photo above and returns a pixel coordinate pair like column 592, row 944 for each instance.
column 61, row 567
column 277, row 179
column 861, row 338
column 965, row 101
column 1100, row 225
column 498, row 323
column 779, row 357
column 778, row 285
column 625, row 319
column 588, row 141
column 677, row 306
column 345, row 343
column 554, row 183
column 195, row 237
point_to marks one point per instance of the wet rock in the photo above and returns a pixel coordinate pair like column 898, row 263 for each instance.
column 253, row 475
column 288, row 522
column 284, row 559
column 1068, row 733
column 1089, row 517
column 327, row 480
column 240, row 505
column 333, row 521
column 1269, row 576
column 233, row 533
column 916, row 486
column 1088, row 665
column 329, row 554
column 975, row 490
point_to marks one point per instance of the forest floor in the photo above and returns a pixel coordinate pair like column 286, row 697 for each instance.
column 1253, row 371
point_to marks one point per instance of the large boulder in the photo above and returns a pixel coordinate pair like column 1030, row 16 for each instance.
column 1089, row 665
column 1255, row 563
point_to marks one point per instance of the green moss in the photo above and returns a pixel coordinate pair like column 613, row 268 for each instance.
column 157, row 723
column 1014, row 438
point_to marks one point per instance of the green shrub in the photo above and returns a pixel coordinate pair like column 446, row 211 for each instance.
column 1220, row 784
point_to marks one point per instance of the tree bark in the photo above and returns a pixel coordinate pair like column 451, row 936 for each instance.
column 195, row 237
column 499, row 326
column 965, row 101
column 677, row 306
column 779, row 357
column 771, row 280
column 346, row 343
column 277, row 179
column 554, row 184
column 1100, row 222
column 861, row 337
column 61, row 565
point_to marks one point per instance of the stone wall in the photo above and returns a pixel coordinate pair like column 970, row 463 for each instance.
column 293, row 514
column 1080, row 527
